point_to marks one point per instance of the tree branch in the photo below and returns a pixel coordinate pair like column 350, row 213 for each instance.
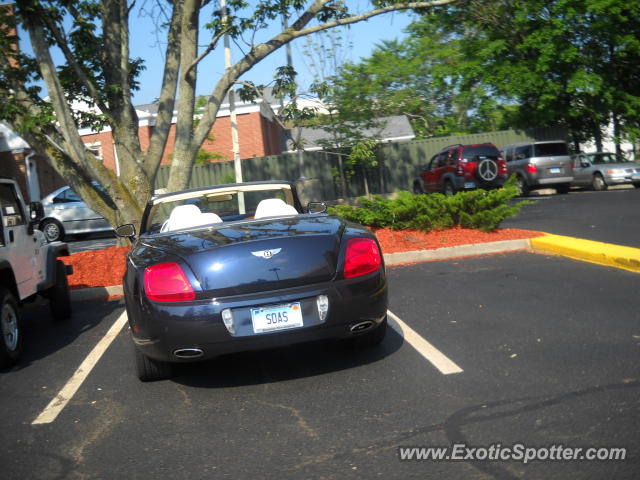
column 68, row 55
column 153, row 155
column 212, row 45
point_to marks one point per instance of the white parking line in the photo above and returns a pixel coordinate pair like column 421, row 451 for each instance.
column 56, row 405
column 424, row 348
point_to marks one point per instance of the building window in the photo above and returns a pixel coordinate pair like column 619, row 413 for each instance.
column 96, row 149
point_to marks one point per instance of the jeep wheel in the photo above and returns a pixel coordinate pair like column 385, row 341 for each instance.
column 149, row 370
column 417, row 188
column 521, row 185
column 52, row 230
column 11, row 342
column 59, row 301
column 598, row 183
column 449, row 189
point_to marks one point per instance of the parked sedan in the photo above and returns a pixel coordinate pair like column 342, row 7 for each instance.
column 67, row 214
column 602, row 169
column 242, row 267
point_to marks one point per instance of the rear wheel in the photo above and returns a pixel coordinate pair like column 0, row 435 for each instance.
column 521, row 185
column 563, row 189
column 373, row 338
column 59, row 301
column 418, row 188
column 637, row 185
column 449, row 189
column 598, row 183
column 11, row 341
column 150, row 370
column 52, row 230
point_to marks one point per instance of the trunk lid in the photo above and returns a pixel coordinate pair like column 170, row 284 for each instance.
column 248, row 257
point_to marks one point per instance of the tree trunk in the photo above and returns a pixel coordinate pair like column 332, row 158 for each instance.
column 616, row 133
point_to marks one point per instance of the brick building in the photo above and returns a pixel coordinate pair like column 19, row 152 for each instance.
column 259, row 134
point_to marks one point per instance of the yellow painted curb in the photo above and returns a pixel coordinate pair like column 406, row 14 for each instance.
column 601, row 253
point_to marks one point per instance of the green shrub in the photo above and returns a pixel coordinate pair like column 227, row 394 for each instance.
column 480, row 209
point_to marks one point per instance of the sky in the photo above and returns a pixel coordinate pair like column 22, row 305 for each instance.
column 147, row 44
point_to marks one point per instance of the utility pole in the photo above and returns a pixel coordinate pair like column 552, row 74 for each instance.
column 235, row 142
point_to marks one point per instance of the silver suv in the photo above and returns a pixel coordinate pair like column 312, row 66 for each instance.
column 539, row 165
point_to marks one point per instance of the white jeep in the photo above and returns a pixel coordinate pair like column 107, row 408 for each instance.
column 29, row 266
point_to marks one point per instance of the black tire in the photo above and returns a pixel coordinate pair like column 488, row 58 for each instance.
column 449, row 189
column 373, row 338
column 522, row 186
column 52, row 229
column 11, row 341
column 637, row 185
column 150, row 370
column 59, row 299
column 563, row 189
column 418, row 188
column 598, row 183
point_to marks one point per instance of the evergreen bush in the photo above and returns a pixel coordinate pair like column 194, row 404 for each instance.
column 480, row 209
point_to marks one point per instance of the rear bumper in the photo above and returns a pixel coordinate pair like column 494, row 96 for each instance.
column 551, row 181
column 158, row 329
column 464, row 183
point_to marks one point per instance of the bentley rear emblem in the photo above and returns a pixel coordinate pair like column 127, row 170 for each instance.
column 266, row 253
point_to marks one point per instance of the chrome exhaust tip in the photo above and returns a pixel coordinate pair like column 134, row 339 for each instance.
column 188, row 353
column 361, row 326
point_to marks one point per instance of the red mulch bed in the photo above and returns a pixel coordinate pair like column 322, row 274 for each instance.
column 393, row 241
column 99, row 268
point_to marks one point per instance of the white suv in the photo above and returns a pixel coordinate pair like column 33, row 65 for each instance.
column 29, row 266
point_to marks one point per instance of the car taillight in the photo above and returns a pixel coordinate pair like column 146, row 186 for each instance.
column 362, row 257
column 531, row 168
column 167, row 282
column 460, row 170
column 502, row 167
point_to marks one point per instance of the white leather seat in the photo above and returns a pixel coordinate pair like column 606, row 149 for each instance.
column 186, row 216
column 274, row 207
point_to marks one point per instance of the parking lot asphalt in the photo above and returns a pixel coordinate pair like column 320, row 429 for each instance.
column 548, row 349
column 612, row 216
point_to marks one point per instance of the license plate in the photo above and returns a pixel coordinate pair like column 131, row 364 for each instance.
column 469, row 184
column 278, row 317
column 554, row 170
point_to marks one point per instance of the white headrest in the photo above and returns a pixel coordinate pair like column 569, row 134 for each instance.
column 274, row 207
column 186, row 216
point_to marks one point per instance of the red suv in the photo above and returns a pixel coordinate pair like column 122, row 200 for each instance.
column 462, row 167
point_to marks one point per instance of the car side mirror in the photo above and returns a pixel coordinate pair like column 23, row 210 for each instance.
column 127, row 230
column 585, row 163
column 316, row 207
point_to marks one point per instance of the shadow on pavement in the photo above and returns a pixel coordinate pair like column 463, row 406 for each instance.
column 43, row 336
column 297, row 361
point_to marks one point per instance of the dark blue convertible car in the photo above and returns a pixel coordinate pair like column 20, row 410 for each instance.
column 242, row 267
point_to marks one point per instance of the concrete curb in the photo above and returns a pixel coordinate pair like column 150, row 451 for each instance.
column 391, row 259
column 608, row 254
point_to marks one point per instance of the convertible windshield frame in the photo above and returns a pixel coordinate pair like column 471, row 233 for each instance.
column 150, row 220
